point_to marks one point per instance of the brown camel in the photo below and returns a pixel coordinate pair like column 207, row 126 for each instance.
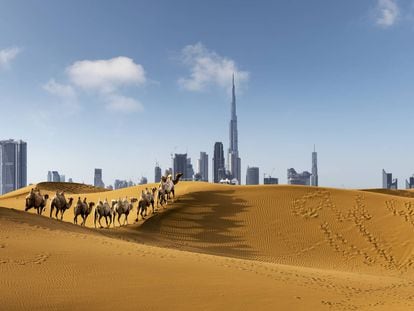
column 36, row 200
column 59, row 202
column 83, row 209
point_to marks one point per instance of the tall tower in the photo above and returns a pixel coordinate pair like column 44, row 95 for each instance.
column 314, row 177
column 13, row 165
column 234, row 162
column 218, row 162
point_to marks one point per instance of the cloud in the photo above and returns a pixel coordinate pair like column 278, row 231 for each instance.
column 208, row 68
column 124, row 104
column 66, row 94
column 7, row 56
column 106, row 75
column 387, row 13
column 103, row 79
column 61, row 90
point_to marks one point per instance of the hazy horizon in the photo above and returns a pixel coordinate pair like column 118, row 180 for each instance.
column 121, row 86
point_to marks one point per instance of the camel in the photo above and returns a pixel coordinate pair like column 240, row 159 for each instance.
column 103, row 209
column 146, row 200
column 83, row 209
column 59, row 202
column 35, row 200
column 123, row 207
column 166, row 187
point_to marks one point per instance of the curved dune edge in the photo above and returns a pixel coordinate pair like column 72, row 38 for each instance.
column 279, row 246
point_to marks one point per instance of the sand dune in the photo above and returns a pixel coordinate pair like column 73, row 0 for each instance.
column 217, row 247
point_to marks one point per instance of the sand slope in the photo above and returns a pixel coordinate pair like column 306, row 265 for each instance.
column 217, row 247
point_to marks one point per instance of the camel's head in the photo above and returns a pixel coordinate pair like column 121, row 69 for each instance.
column 178, row 175
column 46, row 196
column 70, row 201
column 153, row 189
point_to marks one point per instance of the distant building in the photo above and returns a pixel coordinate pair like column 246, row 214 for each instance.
column 388, row 182
column 270, row 180
column 157, row 173
column 119, row 184
column 97, row 180
column 55, row 176
column 62, row 178
column 13, row 165
column 70, row 180
column 409, row 183
column 295, row 178
column 219, row 171
column 143, row 181
column 180, row 166
column 49, row 176
column 203, row 166
column 314, row 177
column 189, row 172
column 252, row 176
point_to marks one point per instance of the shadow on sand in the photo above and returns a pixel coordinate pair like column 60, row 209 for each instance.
column 205, row 222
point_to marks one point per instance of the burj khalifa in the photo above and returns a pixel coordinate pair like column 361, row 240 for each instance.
column 234, row 161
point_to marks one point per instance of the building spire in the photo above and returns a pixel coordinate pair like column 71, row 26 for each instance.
column 233, row 102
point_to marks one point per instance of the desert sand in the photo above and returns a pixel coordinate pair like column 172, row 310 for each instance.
column 216, row 247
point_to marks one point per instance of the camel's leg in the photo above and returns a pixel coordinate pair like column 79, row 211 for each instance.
column 126, row 218
column 75, row 220
column 119, row 217
column 61, row 215
column 99, row 221
column 51, row 210
column 56, row 215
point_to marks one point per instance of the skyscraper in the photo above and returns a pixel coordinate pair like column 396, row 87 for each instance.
column 13, row 165
column 270, row 180
column 97, row 180
column 233, row 161
column 388, row 182
column 295, row 178
column 252, row 176
column 157, row 173
column 55, row 176
column 314, row 177
column 180, row 165
column 203, row 166
column 218, row 162
column 189, row 173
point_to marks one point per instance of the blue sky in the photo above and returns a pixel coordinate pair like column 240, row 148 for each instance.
column 119, row 85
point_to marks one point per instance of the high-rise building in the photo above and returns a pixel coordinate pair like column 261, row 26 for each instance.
column 218, row 162
column 13, row 165
column 55, row 176
column 252, row 176
column 295, row 178
column 388, row 182
column 97, row 179
column 157, row 173
column 409, row 183
column 189, row 173
column 270, row 180
column 203, row 166
column 70, row 180
column 143, row 181
column 49, row 176
column 62, row 178
column 180, row 165
column 234, row 161
column 314, row 177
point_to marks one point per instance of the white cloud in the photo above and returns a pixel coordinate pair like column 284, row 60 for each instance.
column 66, row 94
column 7, row 55
column 208, row 68
column 104, row 79
column 61, row 90
column 106, row 75
column 124, row 104
column 387, row 13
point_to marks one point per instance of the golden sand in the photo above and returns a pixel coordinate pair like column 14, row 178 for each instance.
column 217, row 247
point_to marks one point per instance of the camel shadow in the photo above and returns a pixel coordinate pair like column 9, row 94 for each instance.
column 206, row 222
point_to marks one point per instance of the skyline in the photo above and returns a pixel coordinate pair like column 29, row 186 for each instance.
column 338, row 76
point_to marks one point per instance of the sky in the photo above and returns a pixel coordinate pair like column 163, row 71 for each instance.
column 121, row 85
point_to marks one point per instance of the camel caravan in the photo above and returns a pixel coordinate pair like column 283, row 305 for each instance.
column 109, row 211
